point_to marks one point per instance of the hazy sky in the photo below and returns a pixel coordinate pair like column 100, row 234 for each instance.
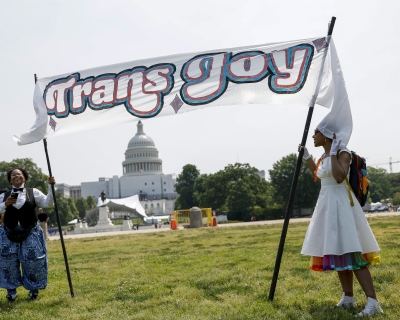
column 55, row 37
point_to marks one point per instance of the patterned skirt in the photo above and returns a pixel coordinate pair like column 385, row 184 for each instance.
column 346, row 262
column 31, row 254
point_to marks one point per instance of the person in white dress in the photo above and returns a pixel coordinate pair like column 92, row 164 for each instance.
column 339, row 237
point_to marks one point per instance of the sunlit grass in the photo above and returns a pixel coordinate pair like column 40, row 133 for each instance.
column 210, row 273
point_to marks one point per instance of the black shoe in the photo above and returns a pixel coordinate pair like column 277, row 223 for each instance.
column 11, row 298
column 33, row 295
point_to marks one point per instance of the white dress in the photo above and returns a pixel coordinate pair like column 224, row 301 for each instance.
column 336, row 227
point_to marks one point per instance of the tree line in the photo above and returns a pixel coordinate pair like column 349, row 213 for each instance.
column 240, row 191
column 237, row 189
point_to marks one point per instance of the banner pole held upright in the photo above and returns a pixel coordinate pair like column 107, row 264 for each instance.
column 58, row 217
column 289, row 207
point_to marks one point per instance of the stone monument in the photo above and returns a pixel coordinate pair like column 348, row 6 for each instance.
column 196, row 220
column 104, row 223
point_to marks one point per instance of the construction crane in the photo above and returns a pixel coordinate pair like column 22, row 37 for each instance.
column 389, row 163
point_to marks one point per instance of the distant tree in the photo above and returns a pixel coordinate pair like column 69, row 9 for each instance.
column 394, row 179
column 72, row 207
column 90, row 202
column 240, row 195
column 65, row 210
column 37, row 179
column 199, row 188
column 379, row 184
column 396, row 199
column 281, row 177
column 211, row 190
column 82, row 206
column 185, row 187
column 247, row 193
column 237, row 188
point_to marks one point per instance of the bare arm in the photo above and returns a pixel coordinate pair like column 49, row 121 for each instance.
column 340, row 166
column 311, row 165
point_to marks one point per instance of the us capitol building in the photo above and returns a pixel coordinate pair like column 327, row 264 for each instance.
column 142, row 175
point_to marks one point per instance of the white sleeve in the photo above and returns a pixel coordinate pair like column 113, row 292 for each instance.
column 348, row 151
column 345, row 150
column 2, row 204
column 42, row 200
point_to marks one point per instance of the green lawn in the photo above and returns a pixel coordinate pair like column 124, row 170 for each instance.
column 210, row 273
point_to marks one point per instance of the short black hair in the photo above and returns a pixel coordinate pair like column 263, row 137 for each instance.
column 24, row 172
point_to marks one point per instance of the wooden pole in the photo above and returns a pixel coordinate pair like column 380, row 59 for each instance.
column 289, row 207
column 58, row 218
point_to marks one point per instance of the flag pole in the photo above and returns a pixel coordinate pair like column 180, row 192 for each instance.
column 289, row 207
column 58, row 216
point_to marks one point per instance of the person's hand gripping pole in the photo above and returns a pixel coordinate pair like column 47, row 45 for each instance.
column 306, row 154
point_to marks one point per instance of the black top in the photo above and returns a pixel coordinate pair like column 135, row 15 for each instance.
column 42, row 217
column 26, row 215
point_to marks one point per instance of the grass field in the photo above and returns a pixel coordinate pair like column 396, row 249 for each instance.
column 209, row 273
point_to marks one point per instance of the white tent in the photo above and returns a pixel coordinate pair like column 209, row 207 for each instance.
column 130, row 204
column 156, row 219
column 376, row 205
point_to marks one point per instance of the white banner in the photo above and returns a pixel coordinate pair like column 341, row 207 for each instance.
column 278, row 73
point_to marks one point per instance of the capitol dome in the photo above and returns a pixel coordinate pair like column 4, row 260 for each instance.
column 141, row 157
column 140, row 139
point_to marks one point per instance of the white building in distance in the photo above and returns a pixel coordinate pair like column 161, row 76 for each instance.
column 142, row 175
column 68, row 191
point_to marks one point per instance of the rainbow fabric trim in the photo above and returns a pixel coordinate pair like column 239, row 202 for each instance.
column 348, row 261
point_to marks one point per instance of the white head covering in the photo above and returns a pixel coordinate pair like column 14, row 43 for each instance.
column 333, row 95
